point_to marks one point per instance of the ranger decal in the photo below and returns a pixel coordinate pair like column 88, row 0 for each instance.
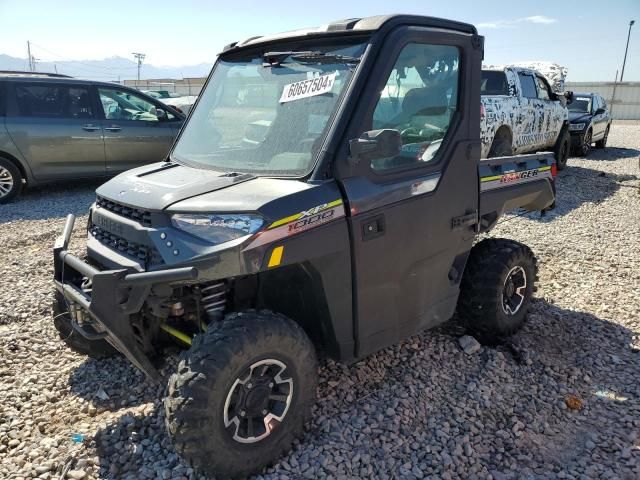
column 509, row 178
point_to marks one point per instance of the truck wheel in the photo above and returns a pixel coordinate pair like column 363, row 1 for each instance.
column 10, row 180
column 603, row 142
column 241, row 394
column 496, row 288
column 74, row 340
column 500, row 147
column 562, row 149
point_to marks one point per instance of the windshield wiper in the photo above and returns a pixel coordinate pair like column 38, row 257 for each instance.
column 275, row 59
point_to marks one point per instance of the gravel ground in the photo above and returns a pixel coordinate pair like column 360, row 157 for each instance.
column 560, row 400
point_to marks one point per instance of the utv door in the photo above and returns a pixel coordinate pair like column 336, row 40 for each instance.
column 55, row 127
column 133, row 134
column 408, row 254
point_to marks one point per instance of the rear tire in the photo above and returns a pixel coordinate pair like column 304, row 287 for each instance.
column 497, row 287
column 252, row 370
column 562, row 149
column 500, row 147
column 10, row 180
column 603, row 142
column 74, row 340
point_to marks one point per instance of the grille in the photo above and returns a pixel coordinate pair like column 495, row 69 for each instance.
column 141, row 216
column 148, row 256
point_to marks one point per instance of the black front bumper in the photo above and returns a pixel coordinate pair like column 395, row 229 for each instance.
column 115, row 296
column 577, row 138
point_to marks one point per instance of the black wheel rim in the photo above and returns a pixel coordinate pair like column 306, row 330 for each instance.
column 514, row 290
column 258, row 401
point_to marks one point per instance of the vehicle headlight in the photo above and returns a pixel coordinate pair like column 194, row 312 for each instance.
column 217, row 228
column 576, row 126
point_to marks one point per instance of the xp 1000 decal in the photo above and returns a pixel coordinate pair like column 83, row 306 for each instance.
column 299, row 222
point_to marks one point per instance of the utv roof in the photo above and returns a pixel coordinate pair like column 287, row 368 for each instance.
column 358, row 25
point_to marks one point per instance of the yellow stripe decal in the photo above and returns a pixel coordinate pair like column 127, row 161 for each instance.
column 276, row 256
column 288, row 219
column 489, row 179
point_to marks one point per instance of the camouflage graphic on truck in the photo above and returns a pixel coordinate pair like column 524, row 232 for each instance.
column 522, row 106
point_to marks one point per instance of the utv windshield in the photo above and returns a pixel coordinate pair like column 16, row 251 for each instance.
column 268, row 113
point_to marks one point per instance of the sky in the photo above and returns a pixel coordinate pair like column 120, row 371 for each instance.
column 586, row 36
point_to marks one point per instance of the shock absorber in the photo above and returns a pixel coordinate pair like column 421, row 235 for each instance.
column 214, row 299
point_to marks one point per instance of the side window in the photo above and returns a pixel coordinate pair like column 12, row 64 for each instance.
column 603, row 104
column 53, row 101
column 595, row 104
column 493, row 83
column 543, row 89
column 528, row 86
column 418, row 99
column 124, row 105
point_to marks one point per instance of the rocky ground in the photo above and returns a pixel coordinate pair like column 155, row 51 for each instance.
column 560, row 400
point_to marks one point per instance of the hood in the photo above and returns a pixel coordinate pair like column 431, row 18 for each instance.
column 577, row 117
column 156, row 186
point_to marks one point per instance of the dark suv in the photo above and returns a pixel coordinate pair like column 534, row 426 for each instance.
column 56, row 127
column 589, row 122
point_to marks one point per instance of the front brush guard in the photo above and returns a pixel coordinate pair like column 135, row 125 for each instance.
column 115, row 296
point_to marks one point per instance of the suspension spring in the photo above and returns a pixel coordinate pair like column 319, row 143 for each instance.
column 214, row 299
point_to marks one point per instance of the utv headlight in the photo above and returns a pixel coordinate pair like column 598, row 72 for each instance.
column 216, row 228
column 576, row 126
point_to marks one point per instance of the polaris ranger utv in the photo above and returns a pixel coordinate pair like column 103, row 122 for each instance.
column 323, row 197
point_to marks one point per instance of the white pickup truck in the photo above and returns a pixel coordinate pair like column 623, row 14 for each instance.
column 522, row 112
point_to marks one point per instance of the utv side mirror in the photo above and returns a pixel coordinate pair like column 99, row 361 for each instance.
column 600, row 111
column 375, row 144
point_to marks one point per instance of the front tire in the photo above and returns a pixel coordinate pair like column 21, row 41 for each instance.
column 602, row 143
column 500, row 147
column 497, row 287
column 10, row 180
column 241, row 394
column 74, row 340
column 562, row 149
column 585, row 148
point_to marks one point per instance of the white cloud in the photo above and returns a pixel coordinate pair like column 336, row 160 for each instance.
column 539, row 19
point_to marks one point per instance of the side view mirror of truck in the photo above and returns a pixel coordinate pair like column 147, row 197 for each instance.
column 375, row 144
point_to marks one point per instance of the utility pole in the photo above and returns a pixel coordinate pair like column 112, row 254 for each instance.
column 31, row 66
column 626, row 49
column 32, row 59
column 140, row 58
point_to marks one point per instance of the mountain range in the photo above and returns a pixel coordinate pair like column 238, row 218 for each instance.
column 108, row 69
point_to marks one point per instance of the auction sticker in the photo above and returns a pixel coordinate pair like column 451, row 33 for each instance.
column 308, row 88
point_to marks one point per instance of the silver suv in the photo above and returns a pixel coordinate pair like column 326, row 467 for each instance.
column 55, row 127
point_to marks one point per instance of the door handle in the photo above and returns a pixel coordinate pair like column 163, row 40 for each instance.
column 373, row 227
column 113, row 128
column 90, row 128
